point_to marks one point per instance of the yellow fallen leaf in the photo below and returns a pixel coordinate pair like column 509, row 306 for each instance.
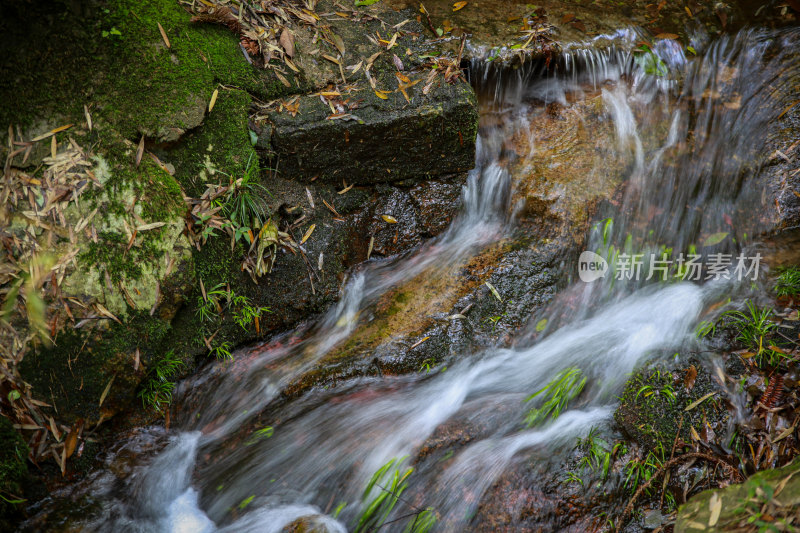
column 308, row 233
column 213, row 100
column 495, row 292
column 383, row 95
column 423, row 339
column 163, row 34
column 292, row 66
column 51, row 132
column 459, row 5
column 105, row 312
column 698, row 402
column 89, row 117
column 152, row 225
column 107, row 389
column 282, row 79
column 389, row 219
column 140, row 151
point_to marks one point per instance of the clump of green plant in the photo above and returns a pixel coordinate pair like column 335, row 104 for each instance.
column 220, row 299
column 259, row 435
column 222, row 351
column 788, row 282
column 599, row 453
column 665, row 391
column 754, row 326
column 241, row 211
column 639, row 471
column 567, row 384
column 244, row 204
column 157, row 390
column 391, row 483
column 497, row 318
column 705, row 328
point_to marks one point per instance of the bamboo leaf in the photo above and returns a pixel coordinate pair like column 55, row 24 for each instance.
column 106, row 390
column 308, row 233
column 163, row 34
column 699, row 401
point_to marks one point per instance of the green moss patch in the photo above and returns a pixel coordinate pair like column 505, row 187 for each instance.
column 653, row 406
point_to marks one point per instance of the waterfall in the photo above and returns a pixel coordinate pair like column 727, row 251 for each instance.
column 688, row 135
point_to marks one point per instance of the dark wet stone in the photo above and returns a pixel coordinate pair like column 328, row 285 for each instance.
column 389, row 140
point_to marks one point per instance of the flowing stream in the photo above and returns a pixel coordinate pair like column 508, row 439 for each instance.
column 688, row 132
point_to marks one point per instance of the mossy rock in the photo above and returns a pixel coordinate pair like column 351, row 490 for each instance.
column 767, row 501
column 653, row 405
column 112, row 58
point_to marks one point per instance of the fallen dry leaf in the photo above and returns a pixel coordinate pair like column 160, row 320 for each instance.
column 140, row 151
column 51, row 132
column 691, row 376
column 163, row 34
column 106, row 390
column 287, row 42
column 308, row 233
column 213, row 100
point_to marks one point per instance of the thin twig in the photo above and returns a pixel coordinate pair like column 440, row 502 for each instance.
column 430, row 24
column 399, row 498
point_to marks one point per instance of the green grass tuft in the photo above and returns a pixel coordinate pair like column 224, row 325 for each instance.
column 788, row 282
column 567, row 384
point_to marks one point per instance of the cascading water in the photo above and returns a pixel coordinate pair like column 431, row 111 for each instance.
column 687, row 132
